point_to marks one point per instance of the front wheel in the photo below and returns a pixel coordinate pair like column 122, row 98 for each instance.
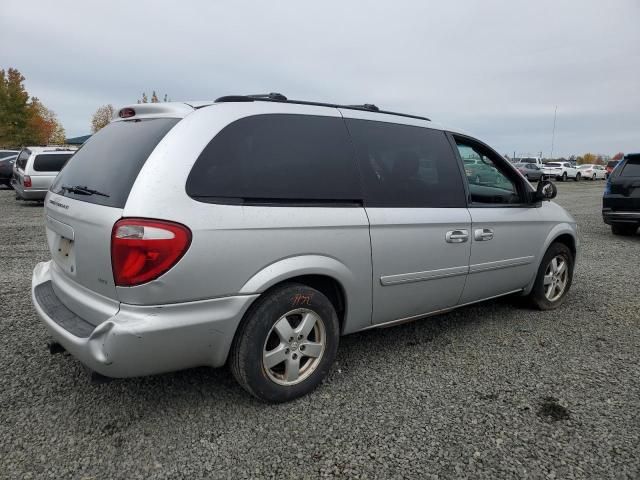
column 564, row 177
column 577, row 179
column 286, row 343
column 593, row 178
column 554, row 278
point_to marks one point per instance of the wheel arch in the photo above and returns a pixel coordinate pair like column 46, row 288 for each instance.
column 562, row 233
column 325, row 274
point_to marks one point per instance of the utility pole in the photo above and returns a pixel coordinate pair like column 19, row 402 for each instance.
column 553, row 134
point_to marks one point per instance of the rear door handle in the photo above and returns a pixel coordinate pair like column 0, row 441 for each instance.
column 457, row 236
column 483, row 234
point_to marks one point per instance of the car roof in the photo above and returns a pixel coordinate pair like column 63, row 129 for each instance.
column 53, row 149
column 183, row 109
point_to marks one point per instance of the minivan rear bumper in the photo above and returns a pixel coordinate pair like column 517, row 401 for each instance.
column 142, row 340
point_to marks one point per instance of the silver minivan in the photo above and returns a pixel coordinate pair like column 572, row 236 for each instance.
column 256, row 230
column 35, row 169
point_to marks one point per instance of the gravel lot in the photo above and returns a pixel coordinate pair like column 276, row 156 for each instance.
column 490, row 391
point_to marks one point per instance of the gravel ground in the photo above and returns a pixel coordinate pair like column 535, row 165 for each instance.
column 490, row 391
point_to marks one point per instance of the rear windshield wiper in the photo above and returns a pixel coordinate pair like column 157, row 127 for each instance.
column 82, row 190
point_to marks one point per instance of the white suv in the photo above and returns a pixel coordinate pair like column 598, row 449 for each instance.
column 561, row 171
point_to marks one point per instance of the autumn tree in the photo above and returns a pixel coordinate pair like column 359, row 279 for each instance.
column 587, row 159
column 618, row 156
column 101, row 117
column 25, row 120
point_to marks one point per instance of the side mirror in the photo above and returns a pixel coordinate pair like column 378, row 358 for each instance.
column 546, row 190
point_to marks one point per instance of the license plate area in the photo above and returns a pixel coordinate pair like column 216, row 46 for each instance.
column 64, row 254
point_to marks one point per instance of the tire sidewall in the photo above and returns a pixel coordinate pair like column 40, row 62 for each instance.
column 253, row 334
column 537, row 293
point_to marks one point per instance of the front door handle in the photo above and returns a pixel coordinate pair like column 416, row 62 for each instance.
column 483, row 234
column 457, row 236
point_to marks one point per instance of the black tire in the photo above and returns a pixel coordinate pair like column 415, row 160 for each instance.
column 593, row 177
column 564, row 177
column 537, row 296
column 577, row 179
column 255, row 330
column 625, row 229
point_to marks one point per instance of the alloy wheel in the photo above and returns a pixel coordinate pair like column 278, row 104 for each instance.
column 294, row 347
column 556, row 277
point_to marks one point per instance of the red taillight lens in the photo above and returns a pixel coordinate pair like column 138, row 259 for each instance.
column 26, row 181
column 142, row 250
column 127, row 113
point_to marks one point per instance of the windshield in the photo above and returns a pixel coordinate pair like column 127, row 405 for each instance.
column 105, row 168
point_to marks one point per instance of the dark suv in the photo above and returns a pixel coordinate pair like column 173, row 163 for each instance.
column 621, row 201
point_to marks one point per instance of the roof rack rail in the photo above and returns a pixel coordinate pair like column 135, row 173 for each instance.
column 278, row 97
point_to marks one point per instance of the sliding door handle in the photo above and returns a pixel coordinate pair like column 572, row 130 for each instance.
column 457, row 236
column 483, row 234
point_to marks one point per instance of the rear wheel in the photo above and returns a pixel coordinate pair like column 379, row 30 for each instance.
column 554, row 278
column 624, row 228
column 286, row 343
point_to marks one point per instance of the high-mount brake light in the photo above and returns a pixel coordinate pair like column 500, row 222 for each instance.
column 143, row 250
column 126, row 113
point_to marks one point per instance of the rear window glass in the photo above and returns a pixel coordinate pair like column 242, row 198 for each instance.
column 407, row 166
column 7, row 154
column 612, row 163
column 52, row 162
column 110, row 160
column 277, row 157
column 552, row 165
column 631, row 168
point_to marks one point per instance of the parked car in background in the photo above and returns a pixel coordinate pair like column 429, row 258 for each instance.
column 35, row 169
column 254, row 231
column 621, row 200
column 8, row 153
column 561, row 171
column 592, row 172
column 531, row 171
column 611, row 165
column 6, row 169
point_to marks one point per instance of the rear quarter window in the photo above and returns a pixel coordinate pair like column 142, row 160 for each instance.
column 21, row 162
column 109, row 162
column 51, row 162
column 631, row 168
column 277, row 158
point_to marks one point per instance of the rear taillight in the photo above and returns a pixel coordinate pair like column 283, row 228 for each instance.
column 142, row 250
column 26, row 181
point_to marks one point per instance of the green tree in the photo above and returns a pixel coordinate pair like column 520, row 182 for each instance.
column 24, row 120
column 14, row 111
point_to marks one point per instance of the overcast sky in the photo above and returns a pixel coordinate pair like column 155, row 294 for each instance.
column 495, row 68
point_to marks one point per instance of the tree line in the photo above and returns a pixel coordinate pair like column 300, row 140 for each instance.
column 24, row 120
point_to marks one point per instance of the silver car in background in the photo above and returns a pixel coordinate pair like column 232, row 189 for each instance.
column 35, row 169
column 257, row 230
